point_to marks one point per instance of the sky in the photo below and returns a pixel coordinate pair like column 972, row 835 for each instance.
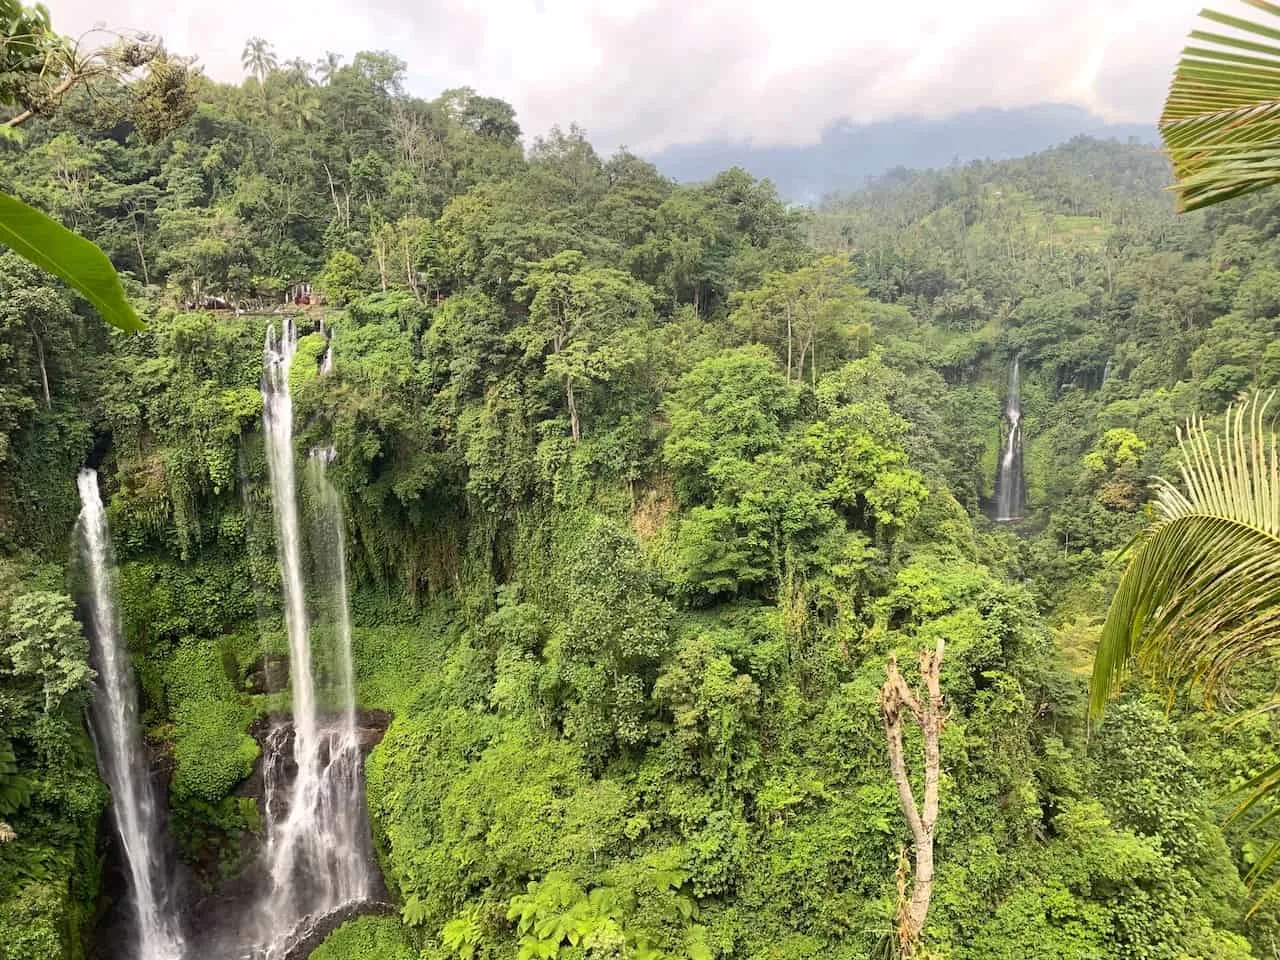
column 648, row 74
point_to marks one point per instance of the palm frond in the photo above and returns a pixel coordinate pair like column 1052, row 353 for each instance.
column 1201, row 589
column 1221, row 121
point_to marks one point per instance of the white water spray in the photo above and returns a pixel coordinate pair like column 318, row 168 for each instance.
column 118, row 740
column 317, row 838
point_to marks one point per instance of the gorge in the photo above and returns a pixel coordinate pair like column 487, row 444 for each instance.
column 487, row 582
column 317, row 862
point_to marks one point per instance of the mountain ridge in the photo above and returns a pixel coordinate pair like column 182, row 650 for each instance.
column 849, row 154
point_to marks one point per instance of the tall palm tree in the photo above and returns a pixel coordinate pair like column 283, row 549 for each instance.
column 1221, row 122
column 328, row 65
column 258, row 57
column 299, row 69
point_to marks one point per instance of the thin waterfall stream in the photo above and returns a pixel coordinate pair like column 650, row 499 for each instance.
column 1011, row 491
column 318, row 846
column 117, row 739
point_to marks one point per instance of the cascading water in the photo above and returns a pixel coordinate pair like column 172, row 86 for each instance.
column 317, row 835
column 326, row 363
column 118, row 742
column 1011, row 492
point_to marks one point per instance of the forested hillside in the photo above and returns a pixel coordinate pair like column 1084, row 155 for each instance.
column 645, row 486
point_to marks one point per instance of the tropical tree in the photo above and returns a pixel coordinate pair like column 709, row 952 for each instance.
column 299, row 69
column 327, row 66
column 258, row 57
column 1221, row 122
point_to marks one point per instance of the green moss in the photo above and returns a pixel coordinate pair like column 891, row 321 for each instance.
column 212, row 751
column 368, row 938
column 306, row 362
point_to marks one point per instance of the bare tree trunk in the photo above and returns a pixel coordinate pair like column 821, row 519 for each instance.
column 137, row 239
column 333, row 191
column 44, row 373
column 928, row 714
column 410, row 274
column 788, row 343
column 380, row 254
column 574, row 428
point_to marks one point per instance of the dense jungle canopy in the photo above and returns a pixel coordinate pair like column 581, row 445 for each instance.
column 644, row 482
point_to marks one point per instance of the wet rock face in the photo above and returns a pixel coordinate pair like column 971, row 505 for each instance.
column 269, row 674
column 219, row 922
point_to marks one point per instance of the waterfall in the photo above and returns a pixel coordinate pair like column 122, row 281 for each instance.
column 1010, row 486
column 326, row 363
column 317, row 831
column 118, row 740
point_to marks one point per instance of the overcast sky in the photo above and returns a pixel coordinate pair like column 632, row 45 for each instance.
column 650, row 73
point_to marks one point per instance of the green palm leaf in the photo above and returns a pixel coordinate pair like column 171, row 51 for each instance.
column 1201, row 591
column 1221, row 121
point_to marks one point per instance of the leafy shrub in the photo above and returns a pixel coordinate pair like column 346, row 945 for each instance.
column 367, row 938
column 212, row 751
column 31, row 924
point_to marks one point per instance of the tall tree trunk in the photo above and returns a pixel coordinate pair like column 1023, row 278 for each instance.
column 928, row 714
column 411, row 274
column 142, row 257
column 44, row 373
column 380, row 254
column 574, row 427
column 788, row 343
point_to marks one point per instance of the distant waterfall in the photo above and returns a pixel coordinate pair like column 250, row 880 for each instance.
column 317, row 834
column 118, row 740
column 1011, row 491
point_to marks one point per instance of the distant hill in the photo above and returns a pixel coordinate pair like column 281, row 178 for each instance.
column 848, row 154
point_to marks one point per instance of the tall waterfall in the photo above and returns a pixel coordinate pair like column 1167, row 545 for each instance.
column 317, row 833
column 1011, row 492
column 118, row 741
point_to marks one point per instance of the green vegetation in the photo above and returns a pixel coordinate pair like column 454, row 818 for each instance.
column 646, row 485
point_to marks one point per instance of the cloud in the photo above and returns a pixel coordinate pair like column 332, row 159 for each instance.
column 651, row 73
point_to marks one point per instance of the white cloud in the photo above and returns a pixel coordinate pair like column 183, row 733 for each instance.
column 650, row 73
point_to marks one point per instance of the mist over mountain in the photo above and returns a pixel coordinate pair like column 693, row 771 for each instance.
column 850, row 153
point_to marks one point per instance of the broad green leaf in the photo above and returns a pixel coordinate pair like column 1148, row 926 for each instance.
column 52, row 247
